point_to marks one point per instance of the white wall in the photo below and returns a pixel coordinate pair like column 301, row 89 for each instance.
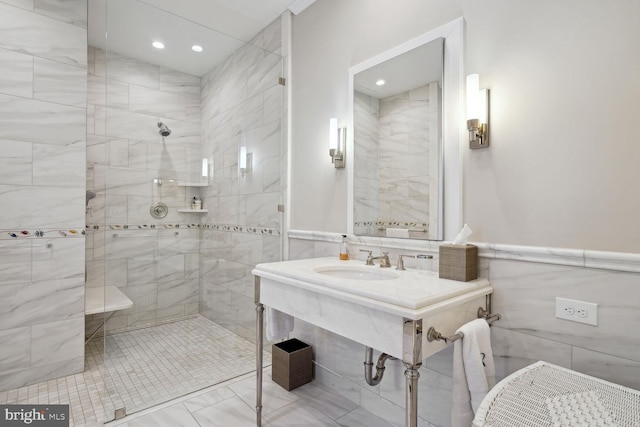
column 564, row 152
column 328, row 38
column 563, row 80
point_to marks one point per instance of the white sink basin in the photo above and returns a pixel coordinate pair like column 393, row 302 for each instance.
column 357, row 273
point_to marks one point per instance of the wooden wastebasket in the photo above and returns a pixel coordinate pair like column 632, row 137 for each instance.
column 292, row 363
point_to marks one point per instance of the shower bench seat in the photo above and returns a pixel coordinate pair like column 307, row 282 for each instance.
column 104, row 300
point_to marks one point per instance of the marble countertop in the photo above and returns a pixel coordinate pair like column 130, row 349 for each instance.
column 409, row 290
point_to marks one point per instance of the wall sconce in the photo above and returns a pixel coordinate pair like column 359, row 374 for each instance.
column 477, row 113
column 337, row 138
column 244, row 161
column 207, row 169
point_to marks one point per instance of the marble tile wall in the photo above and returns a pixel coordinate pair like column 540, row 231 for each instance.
column 242, row 104
column 157, row 268
column 526, row 285
column 396, row 132
column 43, row 64
column 365, row 176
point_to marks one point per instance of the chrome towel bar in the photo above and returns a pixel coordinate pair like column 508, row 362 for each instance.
column 433, row 335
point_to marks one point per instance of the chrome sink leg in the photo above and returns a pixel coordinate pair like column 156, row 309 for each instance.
column 259, row 345
column 412, row 360
column 411, row 374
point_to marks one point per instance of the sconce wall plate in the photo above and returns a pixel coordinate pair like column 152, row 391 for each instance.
column 478, row 134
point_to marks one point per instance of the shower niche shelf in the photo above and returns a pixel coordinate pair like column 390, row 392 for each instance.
column 192, row 184
column 193, row 210
column 187, row 201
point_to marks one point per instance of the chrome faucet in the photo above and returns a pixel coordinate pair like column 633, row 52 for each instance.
column 369, row 257
column 384, row 259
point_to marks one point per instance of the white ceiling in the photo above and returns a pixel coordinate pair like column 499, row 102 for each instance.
column 219, row 26
column 410, row 70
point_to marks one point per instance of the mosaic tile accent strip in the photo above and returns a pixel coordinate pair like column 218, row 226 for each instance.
column 49, row 233
column 413, row 226
column 217, row 227
column 142, row 368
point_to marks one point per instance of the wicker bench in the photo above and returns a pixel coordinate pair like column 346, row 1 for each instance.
column 543, row 395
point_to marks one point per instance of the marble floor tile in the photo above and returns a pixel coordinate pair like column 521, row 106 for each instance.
column 229, row 412
column 327, row 401
column 209, row 398
column 299, row 413
column 141, row 368
column 173, row 416
column 274, row 396
column 362, row 418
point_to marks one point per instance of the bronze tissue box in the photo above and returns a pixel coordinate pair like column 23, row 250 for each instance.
column 458, row 262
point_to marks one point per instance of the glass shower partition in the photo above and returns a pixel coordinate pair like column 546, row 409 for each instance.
column 175, row 127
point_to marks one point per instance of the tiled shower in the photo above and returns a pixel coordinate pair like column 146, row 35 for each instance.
column 70, row 111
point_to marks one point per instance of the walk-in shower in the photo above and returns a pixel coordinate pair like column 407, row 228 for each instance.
column 187, row 274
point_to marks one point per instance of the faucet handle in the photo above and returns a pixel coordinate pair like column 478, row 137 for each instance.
column 400, row 265
column 369, row 256
column 385, row 262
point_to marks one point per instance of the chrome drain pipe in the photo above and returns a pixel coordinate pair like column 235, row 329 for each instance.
column 368, row 366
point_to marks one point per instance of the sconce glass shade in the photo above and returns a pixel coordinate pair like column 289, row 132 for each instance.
column 477, row 113
column 245, row 160
column 243, row 157
column 473, row 96
column 337, row 141
column 205, row 168
column 333, row 134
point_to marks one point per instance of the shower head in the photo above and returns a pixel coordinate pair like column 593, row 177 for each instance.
column 164, row 130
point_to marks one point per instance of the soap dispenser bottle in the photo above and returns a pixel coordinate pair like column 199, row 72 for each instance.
column 344, row 248
column 196, row 204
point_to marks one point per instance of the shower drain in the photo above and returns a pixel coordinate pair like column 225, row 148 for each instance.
column 159, row 210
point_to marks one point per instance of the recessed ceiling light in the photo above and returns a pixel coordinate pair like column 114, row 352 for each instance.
column 158, row 45
column 380, row 82
column 196, row 48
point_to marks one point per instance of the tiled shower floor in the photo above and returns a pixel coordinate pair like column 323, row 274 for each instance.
column 144, row 367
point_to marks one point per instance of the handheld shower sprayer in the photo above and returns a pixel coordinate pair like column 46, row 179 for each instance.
column 90, row 195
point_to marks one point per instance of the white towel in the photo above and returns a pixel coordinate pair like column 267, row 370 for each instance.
column 397, row 232
column 279, row 324
column 473, row 371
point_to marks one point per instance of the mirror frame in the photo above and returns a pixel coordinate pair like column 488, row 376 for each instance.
column 452, row 129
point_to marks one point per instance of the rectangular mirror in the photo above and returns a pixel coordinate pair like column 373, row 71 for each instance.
column 397, row 148
column 404, row 140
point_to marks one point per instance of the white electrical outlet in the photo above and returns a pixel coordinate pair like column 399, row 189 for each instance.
column 577, row 311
